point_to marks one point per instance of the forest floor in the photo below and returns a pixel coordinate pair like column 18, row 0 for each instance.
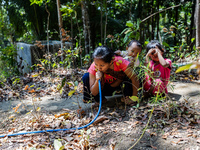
column 34, row 103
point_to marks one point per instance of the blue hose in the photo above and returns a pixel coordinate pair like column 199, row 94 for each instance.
column 54, row 130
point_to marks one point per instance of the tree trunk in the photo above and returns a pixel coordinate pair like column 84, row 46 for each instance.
column 152, row 20
column 148, row 23
column 157, row 20
column 47, row 32
column 130, row 14
column 176, row 20
column 88, row 29
column 192, row 26
column 139, row 10
column 101, row 22
column 79, row 44
column 105, row 24
column 60, row 26
column 93, row 25
column 197, row 17
column 72, row 41
column 86, row 26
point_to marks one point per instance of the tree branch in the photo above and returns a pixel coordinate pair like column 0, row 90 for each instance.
column 160, row 12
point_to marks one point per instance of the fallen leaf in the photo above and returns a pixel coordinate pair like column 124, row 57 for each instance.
column 35, row 75
column 194, row 135
column 39, row 65
column 26, row 87
column 38, row 109
column 184, row 127
column 153, row 147
column 153, row 134
column 11, row 117
column 198, row 140
column 63, row 114
column 71, row 93
column 11, row 129
column 106, row 121
column 165, row 135
column 182, row 139
column 31, row 91
column 17, row 107
column 68, row 138
column 189, row 135
column 100, row 119
column 57, row 145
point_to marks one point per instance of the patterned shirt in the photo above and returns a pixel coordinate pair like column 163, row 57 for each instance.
column 159, row 72
column 110, row 76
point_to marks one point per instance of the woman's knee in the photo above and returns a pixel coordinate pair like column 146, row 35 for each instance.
column 86, row 79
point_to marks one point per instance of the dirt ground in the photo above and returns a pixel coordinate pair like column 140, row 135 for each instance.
column 174, row 125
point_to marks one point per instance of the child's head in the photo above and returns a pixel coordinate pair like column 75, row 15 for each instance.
column 152, row 46
column 134, row 48
column 103, row 58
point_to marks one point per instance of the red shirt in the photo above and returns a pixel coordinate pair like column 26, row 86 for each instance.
column 120, row 66
column 161, row 72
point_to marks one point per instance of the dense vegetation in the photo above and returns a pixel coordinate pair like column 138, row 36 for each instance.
column 88, row 24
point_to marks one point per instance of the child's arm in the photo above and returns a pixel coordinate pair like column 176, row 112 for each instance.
column 162, row 61
column 135, row 82
column 118, row 52
column 147, row 56
column 121, row 53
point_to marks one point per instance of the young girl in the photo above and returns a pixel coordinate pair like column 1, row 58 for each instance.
column 133, row 50
column 159, row 67
column 112, row 70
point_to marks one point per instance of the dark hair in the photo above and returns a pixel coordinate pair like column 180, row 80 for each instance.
column 104, row 53
column 153, row 44
column 135, row 41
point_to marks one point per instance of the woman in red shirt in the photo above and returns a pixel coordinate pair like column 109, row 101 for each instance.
column 113, row 71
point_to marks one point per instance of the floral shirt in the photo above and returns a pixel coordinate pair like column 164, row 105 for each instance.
column 110, row 76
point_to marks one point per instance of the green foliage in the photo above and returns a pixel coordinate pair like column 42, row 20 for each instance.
column 26, row 21
column 132, row 32
column 194, row 65
column 70, row 57
column 8, row 64
column 39, row 2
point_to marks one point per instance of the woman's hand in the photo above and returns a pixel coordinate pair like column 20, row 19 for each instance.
column 99, row 75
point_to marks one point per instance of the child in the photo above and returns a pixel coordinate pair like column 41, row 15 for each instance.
column 159, row 67
column 134, row 49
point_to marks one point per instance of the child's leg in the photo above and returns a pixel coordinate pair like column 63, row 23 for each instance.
column 127, row 87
